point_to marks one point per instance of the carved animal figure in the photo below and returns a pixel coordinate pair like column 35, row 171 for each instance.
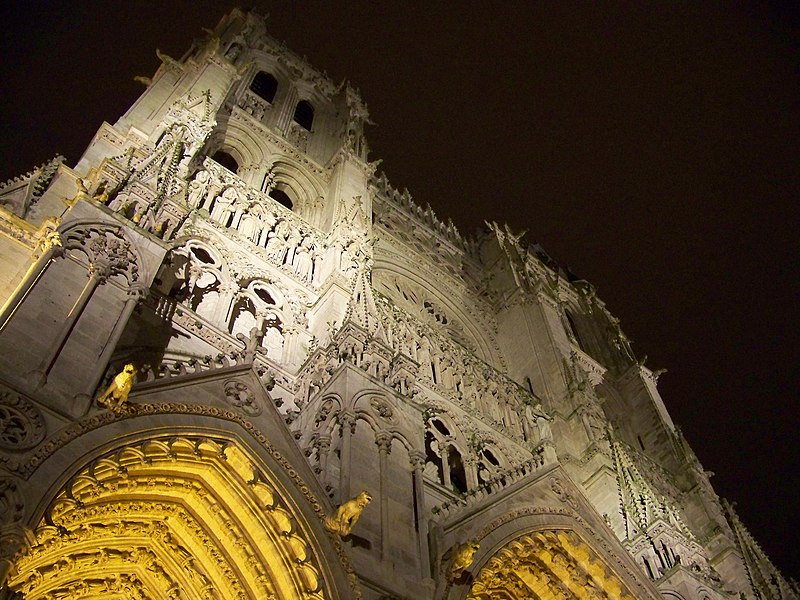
column 462, row 559
column 343, row 521
column 117, row 393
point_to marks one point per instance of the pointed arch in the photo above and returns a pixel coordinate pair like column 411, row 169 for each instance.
column 192, row 512
column 542, row 552
column 546, row 564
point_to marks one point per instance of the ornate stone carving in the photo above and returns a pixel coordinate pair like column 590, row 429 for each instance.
column 463, row 556
column 242, row 397
column 382, row 409
column 100, row 523
column 560, row 489
column 108, row 251
column 547, row 564
column 21, row 423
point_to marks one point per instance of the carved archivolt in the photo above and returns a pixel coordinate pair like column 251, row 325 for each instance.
column 171, row 518
column 547, row 565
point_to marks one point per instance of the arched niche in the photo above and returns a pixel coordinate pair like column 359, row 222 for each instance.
column 196, row 512
column 239, row 141
column 292, row 179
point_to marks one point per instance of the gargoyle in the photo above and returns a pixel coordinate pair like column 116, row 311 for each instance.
column 343, row 521
column 117, row 393
column 463, row 556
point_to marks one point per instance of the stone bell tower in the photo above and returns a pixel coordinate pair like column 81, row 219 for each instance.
column 284, row 135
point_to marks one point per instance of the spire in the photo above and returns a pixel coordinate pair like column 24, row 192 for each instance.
column 361, row 309
column 764, row 576
column 642, row 506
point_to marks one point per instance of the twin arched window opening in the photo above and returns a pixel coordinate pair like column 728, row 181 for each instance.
column 265, row 86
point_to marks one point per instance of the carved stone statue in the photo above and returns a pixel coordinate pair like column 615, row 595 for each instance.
column 197, row 189
column 462, row 559
column 223, row 207
column 534, row 413
column 343, row 521
column 117, row 393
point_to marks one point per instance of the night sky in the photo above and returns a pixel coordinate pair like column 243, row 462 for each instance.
column 652, row 150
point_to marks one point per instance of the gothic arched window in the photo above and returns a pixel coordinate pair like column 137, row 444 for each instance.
column 304, row 114
column 226, row 160
column 281, row 197
column 264, row 86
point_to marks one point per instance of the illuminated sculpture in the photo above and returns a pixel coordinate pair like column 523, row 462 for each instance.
column 462, row 559
column 343, row 521
column 117, row 393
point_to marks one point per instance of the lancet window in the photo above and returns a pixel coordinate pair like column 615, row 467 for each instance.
column 444, row 463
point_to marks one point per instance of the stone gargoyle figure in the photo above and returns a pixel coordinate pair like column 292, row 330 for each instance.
column 345, row 517
column 463, row 556
column 117, row 393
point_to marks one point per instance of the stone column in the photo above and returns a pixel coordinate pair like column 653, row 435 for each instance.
column 238, row 213
column 227, row 296
column 444, row 452
column 323, row 447
column 417, row 458
column 98, row 272
column 50, row 249
column 383, row 440
column 135, row 294
column 347, row 425
column 471, row 471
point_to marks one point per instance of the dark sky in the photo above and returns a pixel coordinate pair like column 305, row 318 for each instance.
column 652, row 149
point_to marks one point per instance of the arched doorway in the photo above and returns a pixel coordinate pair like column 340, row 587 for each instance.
column 547, row 565
column 172, row 517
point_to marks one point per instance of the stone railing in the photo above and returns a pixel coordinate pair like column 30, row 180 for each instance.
column 499, row 482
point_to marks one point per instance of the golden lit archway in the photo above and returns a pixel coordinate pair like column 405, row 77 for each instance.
column 547, row 565
column 171, row 518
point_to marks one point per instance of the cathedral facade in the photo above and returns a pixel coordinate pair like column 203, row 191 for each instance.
column 235, row 362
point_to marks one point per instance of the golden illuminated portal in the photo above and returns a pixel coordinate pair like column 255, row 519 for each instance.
column 169, row 519
column 550, row 565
